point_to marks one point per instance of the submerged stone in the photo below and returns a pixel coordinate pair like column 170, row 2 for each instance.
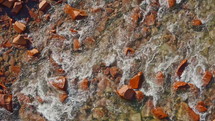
column 206, row 79
column 139, row 95
column 20, row 40
column 201, row 107
column 181, row 67
column 180, row 85
column 159, row 113
column 6, row 102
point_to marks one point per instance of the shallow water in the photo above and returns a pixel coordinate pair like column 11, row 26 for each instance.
column 171, row 40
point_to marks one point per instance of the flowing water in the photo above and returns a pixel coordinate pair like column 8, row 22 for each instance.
column 171, row 40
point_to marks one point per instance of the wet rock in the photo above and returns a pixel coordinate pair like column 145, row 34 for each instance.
column 47, row 17
column 8, row 3
column 7, row 44
column 59, row 83
column 63, row 97
column 103, row 84
column 20, row 40
column 109, row 10
column 186, row 113
column 84, row 84
column 76, row 14
column 114, row 71
column 136, row 81
column 159, row 113
column 15, row 69
column 129, row 51
column 135, row 16
column 193, row 88
column 102, row 25
column 106, row 71
column 16, row 7
column 139, row 95
column 139, row 1
column 53, row 31
column 180, row 85
column 171, row 3
column 60, row 71
column 19, row 27
column 201, row 107
column 196, row 22
column 96, row 10
column 88, row 42
column 6, row 102
column 2, row 87
column 5, row 57
column 150, row 19
column 44, row 5
column 33, row 15
column 126, row 92
column 160, row 77
column 146, row 31
column 76, row 44
column 207, row 78
column 73, row 30
column 181, row 67
column 12, row 61
column 33, row 52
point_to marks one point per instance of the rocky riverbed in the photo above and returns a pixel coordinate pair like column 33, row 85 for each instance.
column 107, row 60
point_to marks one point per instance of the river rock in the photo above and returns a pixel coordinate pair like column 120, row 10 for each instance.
column 76, row 44
column 84, row 84
column 139, row 95
column 44, row 5
column 114, row 71
column 76, row 14
column 179, row 85
column 6, row 102
column 136, row 81
column 160, row 77
column 206, row 79
column 20, row 40
column 126, row 92
column 181, row 67
column 59, row 83
column 186, row 113
column 63, row 97
column 171, row 3
column 129, row 51
column 16, row 7
column 159, row 113
column 201, row 107
column 196, row 22
column 19, row 27
column 32, row 52
column 8, row 3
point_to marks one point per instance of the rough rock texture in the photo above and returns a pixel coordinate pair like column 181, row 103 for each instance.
column 79, row 60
